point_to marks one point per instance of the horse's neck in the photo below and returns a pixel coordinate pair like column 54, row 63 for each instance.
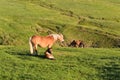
column 55, row 36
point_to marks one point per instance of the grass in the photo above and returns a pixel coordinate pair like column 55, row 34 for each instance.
column 95, row 22
column 97, row 11
column 70, row 64
column 83, row 20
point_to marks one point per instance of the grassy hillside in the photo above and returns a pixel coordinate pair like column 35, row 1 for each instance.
column 70, row 64
column 97, row 23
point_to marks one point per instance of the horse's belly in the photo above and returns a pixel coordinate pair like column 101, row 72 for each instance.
column 43, row 45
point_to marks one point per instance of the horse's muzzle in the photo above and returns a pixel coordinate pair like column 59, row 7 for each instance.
column 62, row 41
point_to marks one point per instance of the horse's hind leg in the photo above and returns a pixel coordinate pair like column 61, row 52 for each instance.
column 35, row 50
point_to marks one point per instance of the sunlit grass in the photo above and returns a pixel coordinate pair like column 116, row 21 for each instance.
column 70, row 64
column 76, row 19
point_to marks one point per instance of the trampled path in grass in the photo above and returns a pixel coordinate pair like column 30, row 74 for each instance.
column 70, row 64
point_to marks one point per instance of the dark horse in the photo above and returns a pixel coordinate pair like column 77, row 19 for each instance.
column 44, row 41
column 77, row 43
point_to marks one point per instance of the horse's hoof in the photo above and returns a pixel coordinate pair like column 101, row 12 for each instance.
column 49, row 56
column 33, row 54
column 52, row 58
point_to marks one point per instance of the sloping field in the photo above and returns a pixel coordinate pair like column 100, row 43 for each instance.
column 70, row 64
column 97, row 23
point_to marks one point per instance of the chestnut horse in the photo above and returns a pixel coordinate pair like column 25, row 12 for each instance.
column 44, row 41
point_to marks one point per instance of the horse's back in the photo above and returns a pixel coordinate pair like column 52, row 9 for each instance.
column 42, row 41
column 35, row 38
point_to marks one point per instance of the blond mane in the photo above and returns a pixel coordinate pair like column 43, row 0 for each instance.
column 55, row 36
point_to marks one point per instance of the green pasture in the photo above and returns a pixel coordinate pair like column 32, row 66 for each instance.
column 96, row 22
column 93, row 21
column 70, row 64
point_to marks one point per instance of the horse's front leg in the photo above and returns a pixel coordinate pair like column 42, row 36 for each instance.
column 48, row 54
column 49, row 50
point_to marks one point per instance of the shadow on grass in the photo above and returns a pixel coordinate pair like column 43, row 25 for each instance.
column 24, row 54
column 39, row 56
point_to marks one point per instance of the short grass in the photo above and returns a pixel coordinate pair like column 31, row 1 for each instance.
column 97, row 12
column 70, row 64
column 96, row 22
column 93, row 21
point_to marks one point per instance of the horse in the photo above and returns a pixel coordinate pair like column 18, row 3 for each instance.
column 77, row 43
column 44, row 41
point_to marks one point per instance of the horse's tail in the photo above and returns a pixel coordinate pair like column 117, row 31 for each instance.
column 31, row 46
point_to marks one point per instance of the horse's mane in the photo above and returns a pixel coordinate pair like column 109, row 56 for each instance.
column 55, row 36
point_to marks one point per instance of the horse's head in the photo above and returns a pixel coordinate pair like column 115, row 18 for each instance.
column 61, row 38
column 58, row 37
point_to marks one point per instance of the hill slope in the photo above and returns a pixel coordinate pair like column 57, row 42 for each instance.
column 97, row 23
column 70, row 64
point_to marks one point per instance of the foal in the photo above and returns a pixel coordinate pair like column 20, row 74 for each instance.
column 44, row 41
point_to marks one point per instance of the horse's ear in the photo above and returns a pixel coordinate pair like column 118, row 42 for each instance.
column 60, row 34
column 49, row 32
